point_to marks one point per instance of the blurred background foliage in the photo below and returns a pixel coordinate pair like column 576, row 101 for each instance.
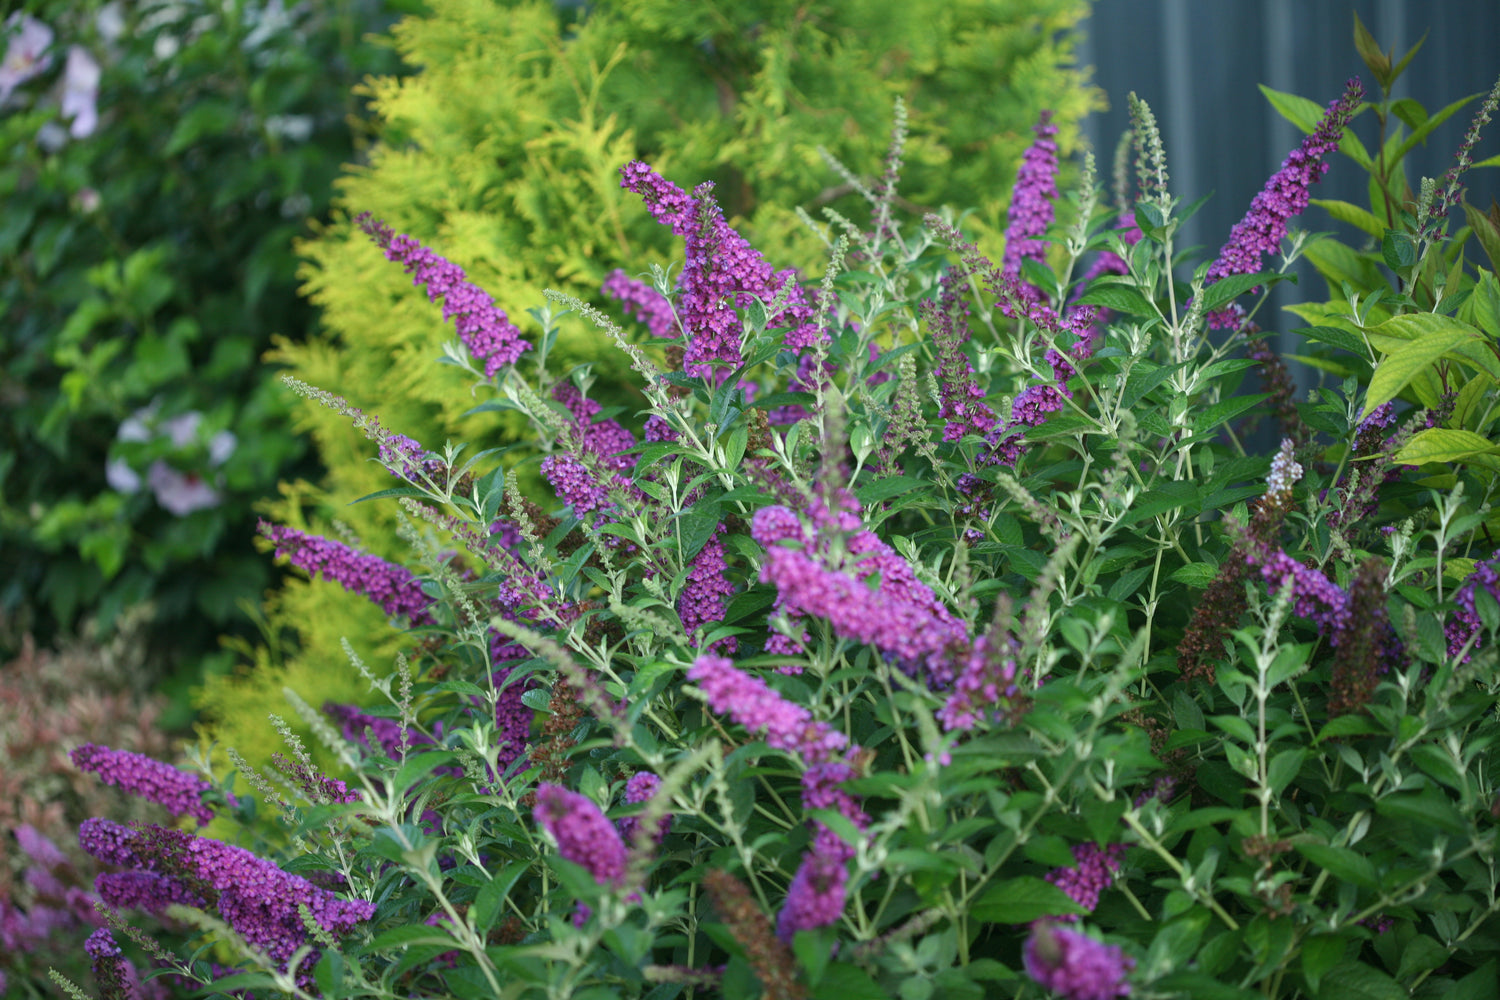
column 159, row 160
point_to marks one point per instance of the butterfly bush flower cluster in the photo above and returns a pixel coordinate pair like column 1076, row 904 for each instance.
column 816, row 896
column 1285, row 195
column 1074, row 966
column 391, row 587
column 902, row 617
column 642, row 301
column 1463, row 625
column 642, row 787
column 484, row 328
column 179, row 792
column 255, row 897
column 1093, row 871
column 1031, row 205
column 962, row 400
column 583, row 835
column 705, row 595
column 722, row 271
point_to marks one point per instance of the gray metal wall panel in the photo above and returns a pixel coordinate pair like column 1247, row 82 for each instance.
column 1197, row 63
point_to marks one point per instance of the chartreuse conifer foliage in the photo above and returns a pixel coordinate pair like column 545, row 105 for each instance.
column 502, row 153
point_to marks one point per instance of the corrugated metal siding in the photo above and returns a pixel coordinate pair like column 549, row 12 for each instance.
column 1197, row 63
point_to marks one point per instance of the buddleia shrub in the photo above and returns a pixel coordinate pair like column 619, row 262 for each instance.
column 502, row 148
column 928, row 631
column 159, row 159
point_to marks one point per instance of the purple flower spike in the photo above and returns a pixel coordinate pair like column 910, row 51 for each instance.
column 1031, row 205
column 902, row 617
column 706, row 592
column 986, row 682
column 1033, row 404
column 1074, row 966
column 1464, row 623
column 752, row 704
column 144, row 891
column 181, row 793
column 722, row 272
column 575, row 485
column 116, row 976
column 641, row 787
column 816, row 896
column 642, row 301
column 391, row 587
column 255, row 897
column 1285, row 195
column 584, row 836
column 483, row 327
column 1094, row 871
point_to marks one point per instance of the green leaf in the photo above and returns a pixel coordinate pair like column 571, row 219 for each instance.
column 1226, row 410
column 1284, row 767
column 406, row 934
column 1421, row 132
column 1121, row 298
column 492, row 896
column 1021, row 900
column 1398, row 250
column 1142, row 379
column 1421, row 954
column 1299, row 111
column 1354, row 215
column 849, row 982
column 1167, row 496
column 755, row 312
column 696, row 526
column 1342, row 339
column 1442, row 444
column 1437, row 336
column 1486, row 232
column 1378, row 62
column 1232, row 286
column 884, row 489
column 207, row 118
column 1357, row 981
column 1481, row 984
column 1428, row 807
column 1342, row 863
column 1319, row 954
column 1339, row 263
column 1195, row 575
column 418, row 767
column 395, row 491
column 1128, row 583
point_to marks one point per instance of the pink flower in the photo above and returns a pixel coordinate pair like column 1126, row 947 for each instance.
column 181, row 493
column 80, row 94
column 26, row 55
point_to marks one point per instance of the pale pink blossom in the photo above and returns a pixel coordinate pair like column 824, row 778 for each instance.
column 26, row 55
